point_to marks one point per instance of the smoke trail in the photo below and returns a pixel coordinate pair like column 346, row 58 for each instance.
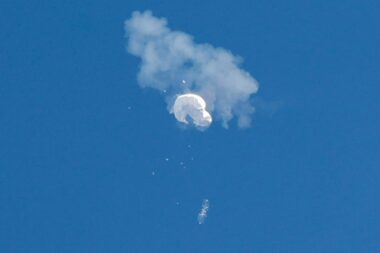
column 168, row 57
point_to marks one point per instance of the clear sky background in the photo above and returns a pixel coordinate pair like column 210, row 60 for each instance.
column 83, row 148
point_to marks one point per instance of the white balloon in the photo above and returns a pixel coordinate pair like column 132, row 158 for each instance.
column 193, row 106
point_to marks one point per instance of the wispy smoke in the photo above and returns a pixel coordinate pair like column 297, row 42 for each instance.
column 170, row 57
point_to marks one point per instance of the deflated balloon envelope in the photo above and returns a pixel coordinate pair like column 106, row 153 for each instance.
column 192, row 106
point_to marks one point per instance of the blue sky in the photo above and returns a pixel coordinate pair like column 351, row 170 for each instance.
column 79, row 139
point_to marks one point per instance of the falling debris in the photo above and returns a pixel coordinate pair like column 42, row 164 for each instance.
column 193, row 107
column 202, row 215
column 182, row 164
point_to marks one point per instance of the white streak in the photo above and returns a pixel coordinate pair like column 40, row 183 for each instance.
column 202, row 215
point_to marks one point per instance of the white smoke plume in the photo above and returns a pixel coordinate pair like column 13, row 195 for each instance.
column 174, row 64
